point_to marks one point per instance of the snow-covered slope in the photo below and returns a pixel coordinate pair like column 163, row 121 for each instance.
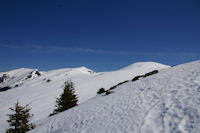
column 41, row 91
column 17, row 77
column 167, row 102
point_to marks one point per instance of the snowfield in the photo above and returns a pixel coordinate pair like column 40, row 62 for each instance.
column 167, row 102
column 41, row 90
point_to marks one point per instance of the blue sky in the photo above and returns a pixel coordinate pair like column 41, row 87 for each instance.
column 100, row 34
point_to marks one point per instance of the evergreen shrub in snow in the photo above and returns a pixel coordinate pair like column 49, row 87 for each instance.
column 101, row 90
column 67, row 99
column 19, row 120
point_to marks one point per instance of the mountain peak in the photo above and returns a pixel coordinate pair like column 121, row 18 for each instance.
column 145, row 64
column 83, row 70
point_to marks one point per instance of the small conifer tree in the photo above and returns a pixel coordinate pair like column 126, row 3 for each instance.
column 67, row 99
column 19, row 120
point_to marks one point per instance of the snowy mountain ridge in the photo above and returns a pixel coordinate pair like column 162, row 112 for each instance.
column 17, row 77
column 167, row 102
column 41, row 90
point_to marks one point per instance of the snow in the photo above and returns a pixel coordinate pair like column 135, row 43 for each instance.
column 167, row 102
column 41, row 91
column 18, row 76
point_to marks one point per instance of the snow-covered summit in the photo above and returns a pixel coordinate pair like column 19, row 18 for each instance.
column 16, row 72
column 17, row 77
column 166, row 102
column 144, row 64
column 82, row 70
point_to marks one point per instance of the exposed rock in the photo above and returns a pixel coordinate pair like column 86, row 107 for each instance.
column 4, row 78
column 5, row 88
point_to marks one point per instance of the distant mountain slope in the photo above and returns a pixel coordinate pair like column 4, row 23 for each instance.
column 42, row 90
column 167, row 102
column 17, row 77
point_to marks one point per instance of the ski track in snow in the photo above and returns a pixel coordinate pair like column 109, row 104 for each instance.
column 168, row 102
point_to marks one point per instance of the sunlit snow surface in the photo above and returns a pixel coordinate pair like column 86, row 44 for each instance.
column 167, row 102
column 41, row 91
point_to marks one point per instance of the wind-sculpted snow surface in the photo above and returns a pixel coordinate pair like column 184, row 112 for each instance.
column 167, row 102
column 41, row 91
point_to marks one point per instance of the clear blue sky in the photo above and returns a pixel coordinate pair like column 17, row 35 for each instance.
column 99, row 34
